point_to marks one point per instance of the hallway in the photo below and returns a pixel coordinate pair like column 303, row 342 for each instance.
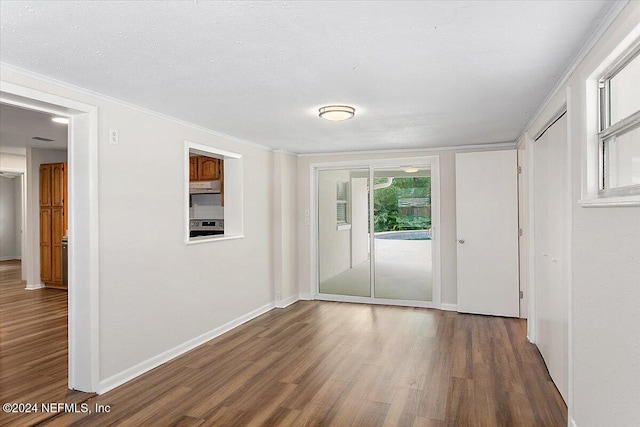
column 33, row 347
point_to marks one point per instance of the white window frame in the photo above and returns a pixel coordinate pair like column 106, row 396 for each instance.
column 591, row 194
column 607, row 130
column 346, row 202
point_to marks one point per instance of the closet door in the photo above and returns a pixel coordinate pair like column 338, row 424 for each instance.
column 551, row 287
column 487, row 232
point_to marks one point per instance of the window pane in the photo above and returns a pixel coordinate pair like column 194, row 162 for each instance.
column 402, row 240
column 341, row 213
column 343, row 253
column 624, row 91
column 623, row 159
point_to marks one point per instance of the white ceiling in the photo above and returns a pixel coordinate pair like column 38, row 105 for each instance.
column 420, row 74
column 18, row 126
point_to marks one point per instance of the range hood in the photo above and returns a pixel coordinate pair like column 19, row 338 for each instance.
column 204, row 187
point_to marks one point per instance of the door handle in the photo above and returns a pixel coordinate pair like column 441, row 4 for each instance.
column 461, row 241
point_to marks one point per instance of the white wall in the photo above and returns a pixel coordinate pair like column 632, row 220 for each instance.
column 12, row 162
column 155, row 293
column 285, row 232
column 9, row 221
column 17, row 189
column 605, row 266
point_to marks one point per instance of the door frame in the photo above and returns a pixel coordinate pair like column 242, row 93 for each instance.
column 23, row 214
column 434, row 163
column 83, row 295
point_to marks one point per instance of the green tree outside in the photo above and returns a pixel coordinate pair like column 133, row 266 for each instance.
column 404, row 205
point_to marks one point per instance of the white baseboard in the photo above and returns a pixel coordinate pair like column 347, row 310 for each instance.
column 287, row 301
column 149, row 364
column 34, row 287
column 305, row 296
column 10, row 258
column 448, row 307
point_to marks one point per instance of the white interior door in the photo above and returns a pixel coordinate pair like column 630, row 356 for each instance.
column 551, row 289
column 487, row 232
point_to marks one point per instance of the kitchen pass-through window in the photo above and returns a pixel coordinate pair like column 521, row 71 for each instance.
column 213, row 194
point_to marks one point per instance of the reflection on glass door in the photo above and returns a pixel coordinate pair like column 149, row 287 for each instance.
column 343, row 232
column 402, row 222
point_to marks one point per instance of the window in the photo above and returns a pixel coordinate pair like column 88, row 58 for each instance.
column 213, row 194
column 619, row 128
column 342, row 203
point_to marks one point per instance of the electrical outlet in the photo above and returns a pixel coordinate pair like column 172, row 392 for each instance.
column 113, row 137
column 306, row 213
column 306, row 221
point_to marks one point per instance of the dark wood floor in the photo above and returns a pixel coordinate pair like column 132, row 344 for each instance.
column 338, row 364
column 33, row 347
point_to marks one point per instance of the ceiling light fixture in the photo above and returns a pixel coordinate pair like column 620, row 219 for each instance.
column 411, row 169
column 61, row 120
column 337, row 113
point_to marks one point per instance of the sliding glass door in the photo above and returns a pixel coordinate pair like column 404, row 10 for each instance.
column 402, row 230
column 374, row 242
column 343, row 232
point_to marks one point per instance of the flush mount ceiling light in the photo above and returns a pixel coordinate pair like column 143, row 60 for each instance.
column 61, row 120
column 337, row 113
column 411, row 169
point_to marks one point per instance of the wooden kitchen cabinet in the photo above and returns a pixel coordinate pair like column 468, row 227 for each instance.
column 203, row 168
column 45, row 244
column 193, row 168
column 53, row 222
column 208, row 168
column 45, row 185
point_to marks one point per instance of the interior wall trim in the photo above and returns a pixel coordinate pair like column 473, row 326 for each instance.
column 88, row 92
column 155, row 361
column 602, row 27
column 287, row 301
column 448, row 307
column 554, row 118
column 477, row 147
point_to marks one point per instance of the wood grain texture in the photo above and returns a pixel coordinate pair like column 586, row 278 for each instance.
column 337, row 364
column 33, row 347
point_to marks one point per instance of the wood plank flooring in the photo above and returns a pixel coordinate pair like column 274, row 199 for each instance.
column 33, row 347
column 337, row 364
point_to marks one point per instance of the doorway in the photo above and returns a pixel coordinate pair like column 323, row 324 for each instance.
column 376, row 232
column 83, row 333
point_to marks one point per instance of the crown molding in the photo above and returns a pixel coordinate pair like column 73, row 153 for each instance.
column 602, row 27
column 46, row 79
column 484, row 146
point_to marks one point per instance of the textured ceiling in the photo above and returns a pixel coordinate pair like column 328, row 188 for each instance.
column 420, row 74
column 18, row 127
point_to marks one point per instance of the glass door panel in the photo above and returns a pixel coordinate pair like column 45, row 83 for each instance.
column 402, row 222
column 343, row 232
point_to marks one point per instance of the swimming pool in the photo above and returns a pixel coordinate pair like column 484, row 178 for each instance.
column 405, row 235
